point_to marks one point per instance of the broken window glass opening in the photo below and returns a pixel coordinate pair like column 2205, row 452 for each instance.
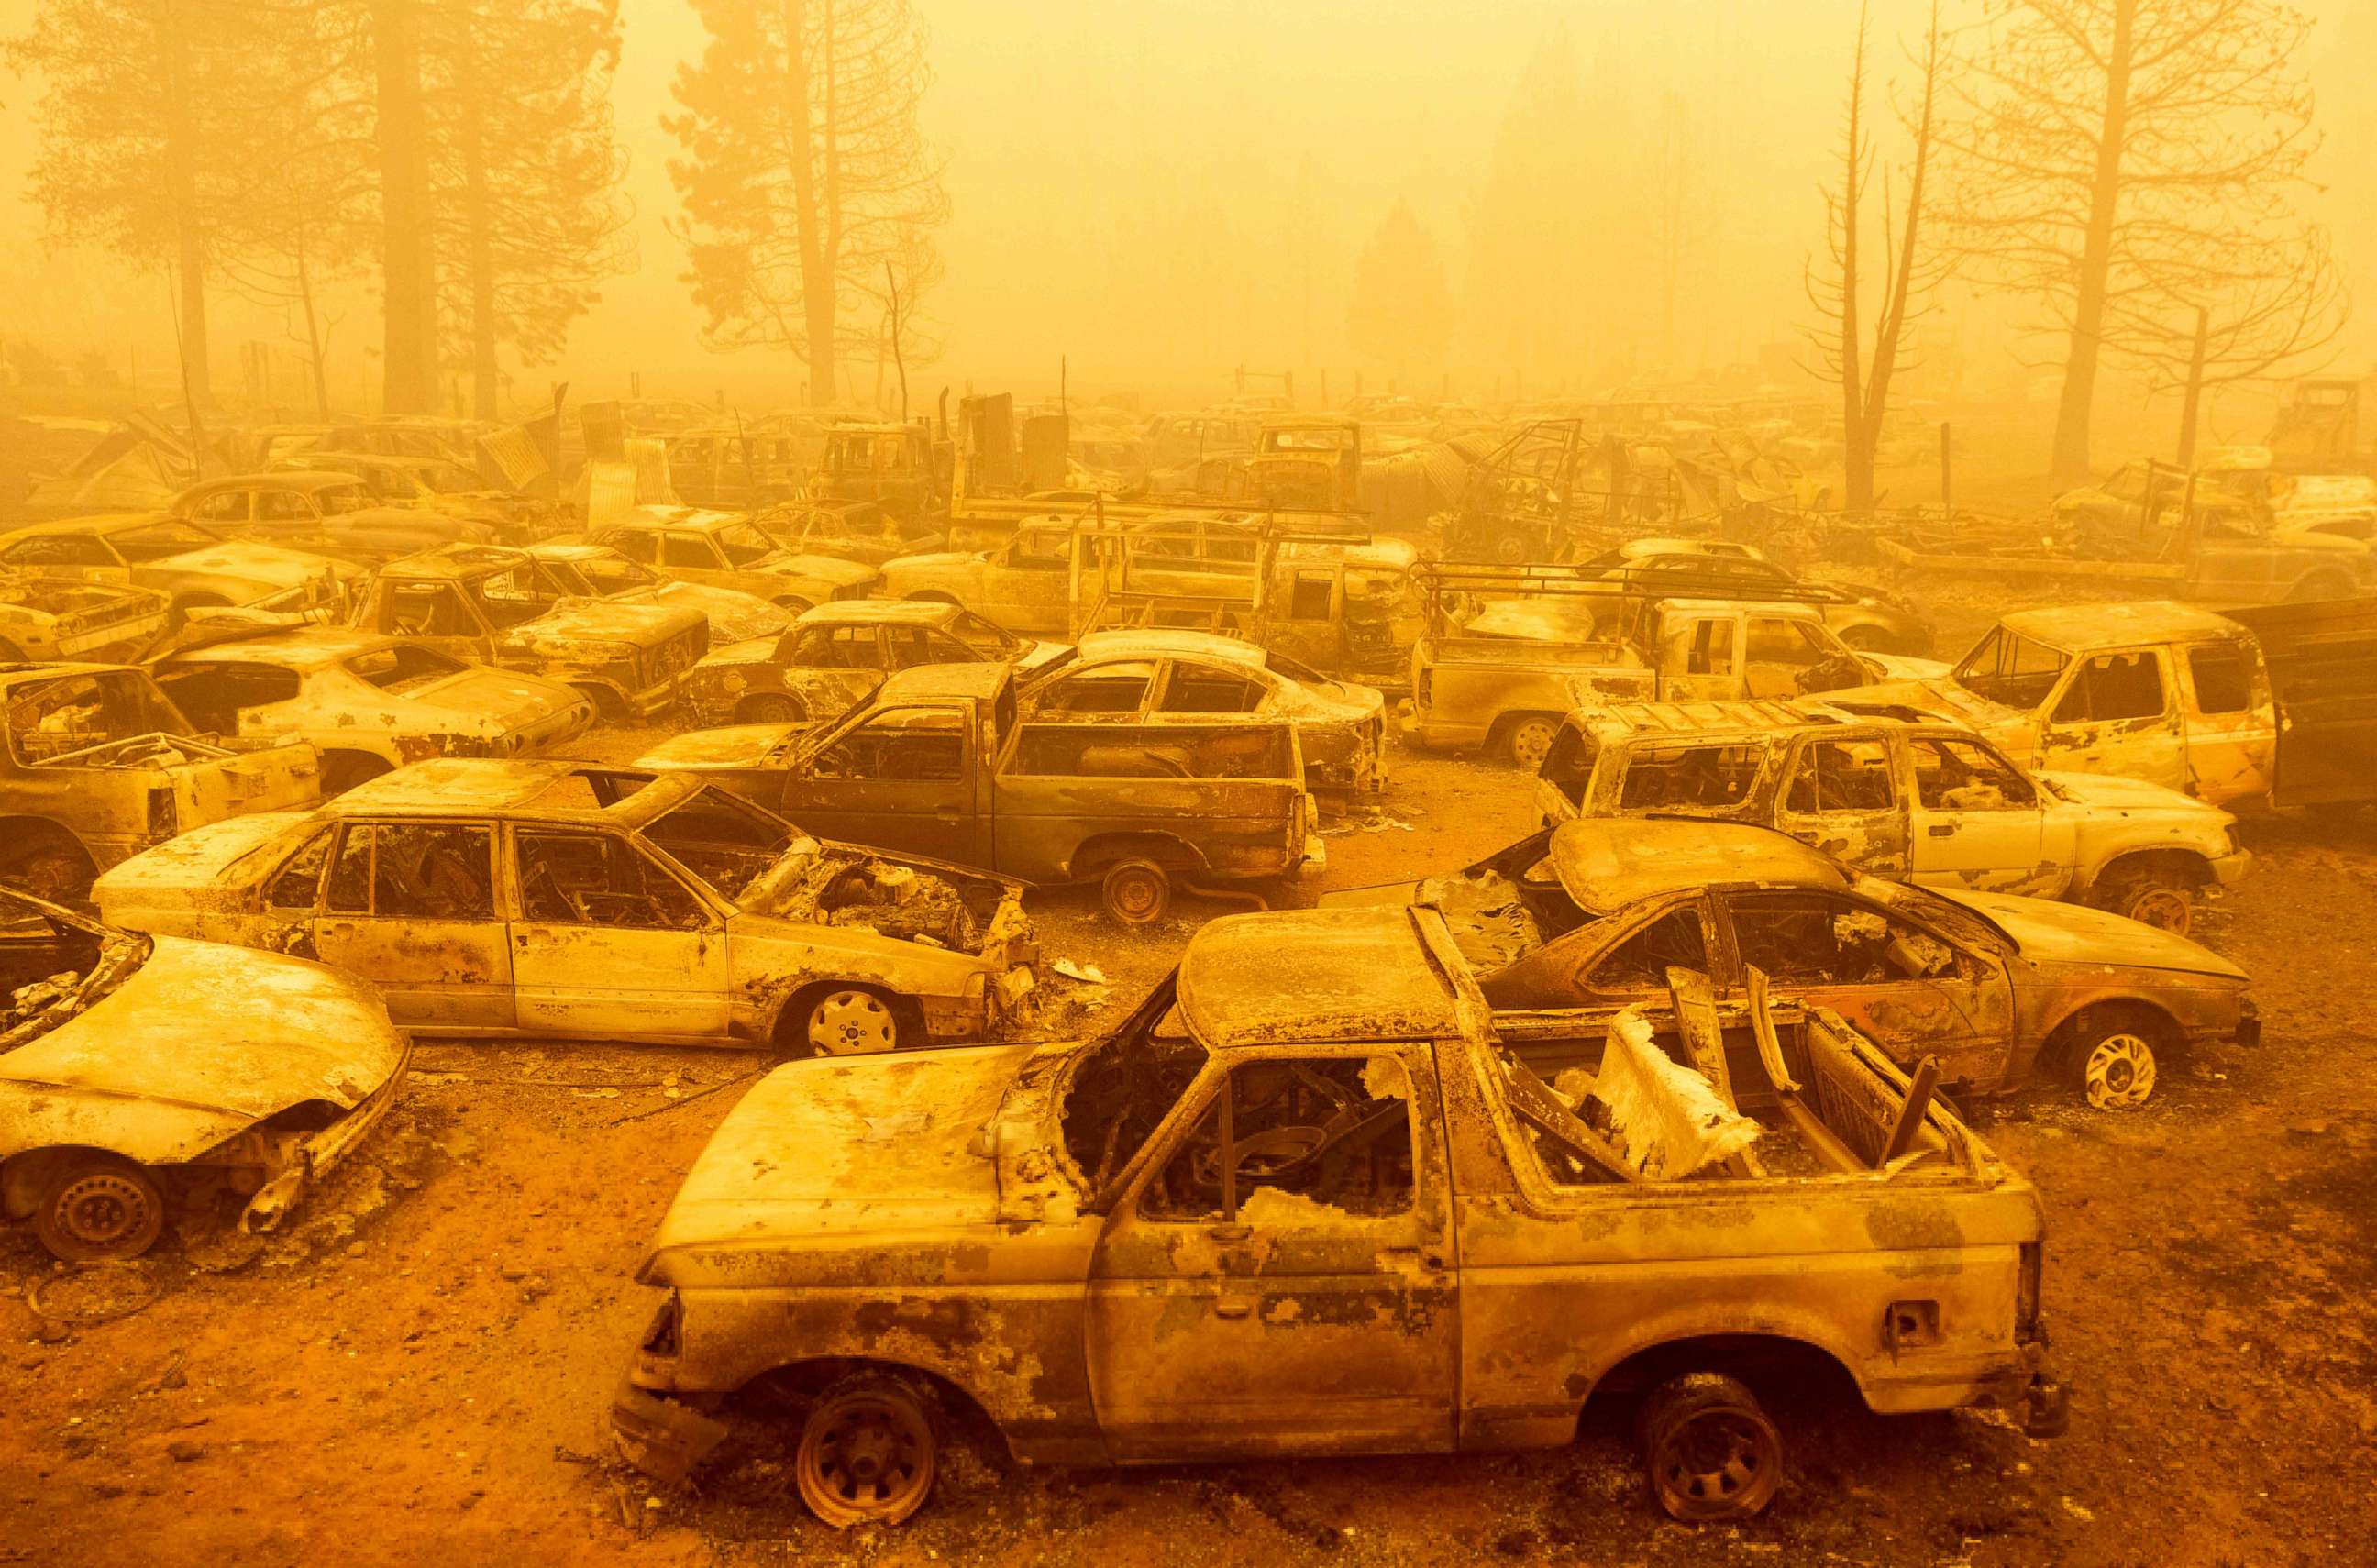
column 1332, row 1131
column 415, row 870
column 579, row 879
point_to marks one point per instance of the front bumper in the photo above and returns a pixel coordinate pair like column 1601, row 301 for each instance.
column 320, row 1153
column 2228, row 869
column 658, row 1436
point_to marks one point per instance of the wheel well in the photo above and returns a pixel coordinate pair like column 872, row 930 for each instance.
column 370, row 764
column 10, row 653
column 1500, row 732
column 2142, row 1015
column 931, row 596
column 27, row 836
column 2184, row 866
column 608, row 704
column 1769, row 1364
column 1097, row 854
column 744, row 710
column 798, row 1383
column 22, row 1174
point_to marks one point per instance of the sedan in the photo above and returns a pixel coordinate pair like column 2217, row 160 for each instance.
column 1592, row 915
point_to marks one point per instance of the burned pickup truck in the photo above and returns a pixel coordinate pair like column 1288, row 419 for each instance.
column 1510, row 652
column 97, row 763
column 937, row 761
column 505, row 900
column 1929, row 803
column 47, row 619
column 1313, row 1198
column 1591, row 914
column 2274, row 706
column 837, row 653
column 483, row 602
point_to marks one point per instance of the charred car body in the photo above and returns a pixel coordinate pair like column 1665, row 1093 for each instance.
column 43, row 619
column 1325, row 1212
column 193, row 565
column 726, row 550
column 526, row 899
column 837, row 653
column 483, row 602
column 97, row 764
column 114, row 1104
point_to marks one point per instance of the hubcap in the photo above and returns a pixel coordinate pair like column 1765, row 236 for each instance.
column 1136, row 896
column 851, row 1024
column 2119, row 1073
column 102, row 1211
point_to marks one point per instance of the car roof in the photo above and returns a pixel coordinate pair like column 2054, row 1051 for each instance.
column 878, row 612
column 1605, row 865
column 926, row 682
column 1303, row 975
column 306, row 646
column 1704, row 720
column 480, row 786
column 1157, row 640
column 280, row 479
column 700, row 518
column 17, row 675
column 2084, row 626
column 457, row 561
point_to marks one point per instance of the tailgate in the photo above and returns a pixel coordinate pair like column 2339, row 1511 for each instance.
column 2323, row 663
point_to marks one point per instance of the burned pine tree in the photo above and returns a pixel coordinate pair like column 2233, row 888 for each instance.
column 805, row 174
column 1402, row 310
column 2104, row 152
column 1908, row 274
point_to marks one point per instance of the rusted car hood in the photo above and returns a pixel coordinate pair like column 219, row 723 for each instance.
column 733, row 614
column 219, row 1028
column 825, row 569
column 606, row 620
column 2115, row 791
column 835, row 1145
column 728, row 747
column 264, row 564
column 201, row 868
column 1939, row 696
column 504, row 700
column 2049, row 932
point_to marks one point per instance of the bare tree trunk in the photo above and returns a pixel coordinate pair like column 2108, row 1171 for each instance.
column 478, row 226
column 1856, row 451
column 2190, row 412
column 408, row 278
column 2079, row 403
column 317, row 351
column 189, row 238
column 817, row 268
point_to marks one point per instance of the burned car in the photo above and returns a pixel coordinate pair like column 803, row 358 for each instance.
column 99, row 622
column 193, row 565
column 509, row 899
column 482, row 603
column 139, row 1073
column 567, row 570
column 97, row 763
column 1312, row 1198
column 837, row 653
column 333, row 512
column 1163, row 676
column 726, row 550
column 1591, row 914
column 368, row 703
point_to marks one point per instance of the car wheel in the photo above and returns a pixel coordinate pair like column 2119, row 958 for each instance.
column 1528, row 741
column 1710, row 1452
column 2160, row 901
column 771, row 709
column 850, row 1020
column 794, row 605
column 2113, row 1065
column 1509, row 548
column 98, row 1208
column 1137, row 891
column 867, row 1453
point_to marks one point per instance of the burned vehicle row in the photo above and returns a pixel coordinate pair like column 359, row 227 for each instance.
column 193, row 566
column 43, row 619
column 97, row 764
column 1310, row 1199
column 1591, row 914
column 627, row 657
column 1929, row 803
column 367, row 704
column 118, row 1104
column 509, row 899
column 938, row 760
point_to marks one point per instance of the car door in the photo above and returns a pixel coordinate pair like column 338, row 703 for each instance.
column 1281, row 1276
column 1840, row 793
column 436, row 611
column 232, row 699
column 1979, row 822
column 1914, row 993
column 2115, row 713
column 2231, row 723
column 608, row 943
column 897, row 778
column 410, row 907
column 1778, row 650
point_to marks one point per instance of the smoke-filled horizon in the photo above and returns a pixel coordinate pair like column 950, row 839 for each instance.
column 1164, row 192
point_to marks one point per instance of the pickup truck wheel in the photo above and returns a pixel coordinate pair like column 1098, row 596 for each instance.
column 1529, row 740
column 850, row 1020
column 1137, row 891
column 2154, row 901
column 867, row 1453
column 100, row 1207
column 2114, row 1064
column 1711, row 1452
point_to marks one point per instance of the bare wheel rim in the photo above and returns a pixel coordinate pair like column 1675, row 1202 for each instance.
column 1717, row 1463
column 2167, row 909
column 852, row 1023
column 1136, row 894
column 1530, row 742
column 866, row 1458
column 2120, row 1073
column 771, row 710
column 105, row 1213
